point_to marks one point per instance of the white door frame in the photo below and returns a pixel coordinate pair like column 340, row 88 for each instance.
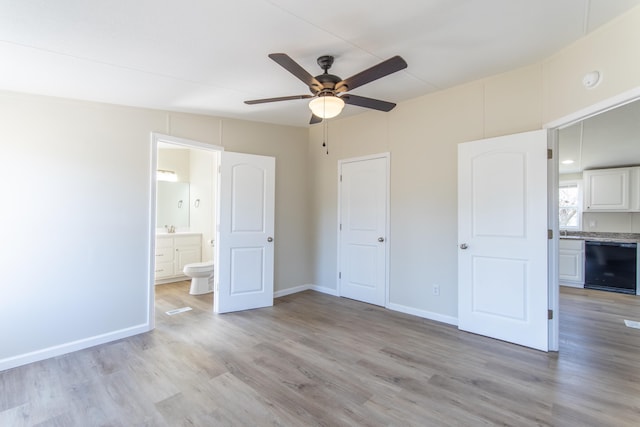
column 553, row 127
column 387, row 157
column 187, row 143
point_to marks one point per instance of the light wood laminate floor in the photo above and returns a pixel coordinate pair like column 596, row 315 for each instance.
column 314, row 359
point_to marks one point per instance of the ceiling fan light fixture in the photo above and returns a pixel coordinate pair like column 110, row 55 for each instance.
column 327, row 106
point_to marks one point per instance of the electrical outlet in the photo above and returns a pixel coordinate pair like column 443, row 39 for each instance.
column 436, row 290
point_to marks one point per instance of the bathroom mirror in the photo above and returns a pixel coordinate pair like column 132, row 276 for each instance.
column 172, row 204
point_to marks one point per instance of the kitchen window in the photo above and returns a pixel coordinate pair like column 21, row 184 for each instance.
column 570, row 205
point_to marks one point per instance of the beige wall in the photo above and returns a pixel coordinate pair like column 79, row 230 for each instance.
column 422, row 136
column 613, row 50
column 76, row 222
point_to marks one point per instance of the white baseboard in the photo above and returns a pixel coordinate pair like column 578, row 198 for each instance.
column 58, row 350
column 572, row 285
column 424, row 314
column 302, row 288
column 171, row 280
column 324, row 290
column 289, row 291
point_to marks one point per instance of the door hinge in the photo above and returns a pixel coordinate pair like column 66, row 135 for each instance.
column 549, row 314
column 340, row 177
column 340, row 227
column 340, row 275
column 549, row 234
column 549, row 153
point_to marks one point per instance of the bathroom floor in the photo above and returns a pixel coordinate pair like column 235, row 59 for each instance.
column 171, row 296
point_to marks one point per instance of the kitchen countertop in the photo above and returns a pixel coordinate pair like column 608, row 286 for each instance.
column 601, row 237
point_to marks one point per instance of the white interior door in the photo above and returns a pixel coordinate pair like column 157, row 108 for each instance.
column 244, row 274
column 363, row 229
column 502, row 232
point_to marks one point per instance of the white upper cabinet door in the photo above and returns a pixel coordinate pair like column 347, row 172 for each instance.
column 502, row 238
column 607, row 189
column 363, row 235
column 244, row 276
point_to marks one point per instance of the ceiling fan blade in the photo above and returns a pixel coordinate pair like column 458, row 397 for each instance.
column 384, row 68
column 362, row 101
column 281, row 98
column 294, row 68
column 315, row 119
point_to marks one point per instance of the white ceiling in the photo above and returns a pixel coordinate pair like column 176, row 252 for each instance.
column 208, row 56
column 610, row 139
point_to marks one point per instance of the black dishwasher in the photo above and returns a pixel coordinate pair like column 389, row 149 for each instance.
column 611, row 266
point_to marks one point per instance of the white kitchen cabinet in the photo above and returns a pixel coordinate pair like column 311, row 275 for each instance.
column 173, row 252
column 608, row 189
column 571, row 262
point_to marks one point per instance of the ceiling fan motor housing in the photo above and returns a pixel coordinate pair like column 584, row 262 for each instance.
column 327, row 80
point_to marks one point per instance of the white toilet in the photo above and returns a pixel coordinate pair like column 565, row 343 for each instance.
column 201, row 274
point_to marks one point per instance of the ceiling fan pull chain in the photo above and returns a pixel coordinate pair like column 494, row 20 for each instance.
column 325, row 124
column 325, row 133
column 327, row 137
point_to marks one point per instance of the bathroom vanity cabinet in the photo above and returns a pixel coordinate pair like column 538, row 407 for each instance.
column 173, row 252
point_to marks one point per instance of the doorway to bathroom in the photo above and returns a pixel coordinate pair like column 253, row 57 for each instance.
column 184, row 214
column 228, row 199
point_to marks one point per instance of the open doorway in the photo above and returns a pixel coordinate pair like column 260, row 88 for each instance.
column 601, row 137
column 244, row 224
column 184, row 214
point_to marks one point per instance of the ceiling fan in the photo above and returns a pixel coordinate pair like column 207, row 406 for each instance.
column 329, row 91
